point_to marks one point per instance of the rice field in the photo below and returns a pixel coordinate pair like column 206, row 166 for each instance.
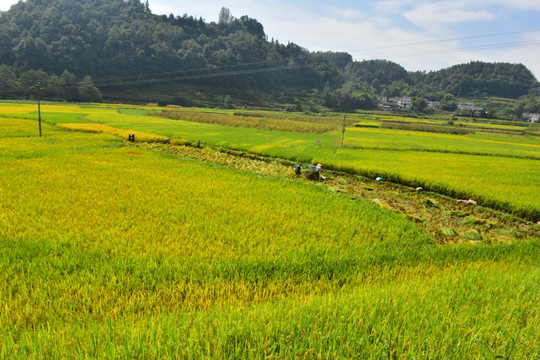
column 114, row 251
column 500, row 171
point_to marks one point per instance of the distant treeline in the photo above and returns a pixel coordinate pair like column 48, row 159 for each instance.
column 120, row 43
column 65, row 86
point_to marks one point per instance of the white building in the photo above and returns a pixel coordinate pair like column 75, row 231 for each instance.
column 531, row 117
column 433, row 104
column 401, row 103
column 405, row 103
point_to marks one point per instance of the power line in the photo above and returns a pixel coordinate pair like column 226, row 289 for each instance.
column 168, row 73
column 223, row 71
column 448, row 40
column 271, row 66
column 479, row 47
column 181, row 75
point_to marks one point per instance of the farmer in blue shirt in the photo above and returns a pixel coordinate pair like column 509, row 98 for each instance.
column 298, row 169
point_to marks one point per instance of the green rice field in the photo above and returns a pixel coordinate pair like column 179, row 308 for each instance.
column 111, row 250
column 497, row 170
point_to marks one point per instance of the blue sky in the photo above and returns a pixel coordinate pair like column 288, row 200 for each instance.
column 417, row 34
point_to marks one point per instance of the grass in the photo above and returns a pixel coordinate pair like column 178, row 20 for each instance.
column 113, row 251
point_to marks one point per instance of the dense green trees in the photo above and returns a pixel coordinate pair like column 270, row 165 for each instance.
column 482, row 79
column 419, row 104
column 449, row 102
column 115, row 38
column 64, row 87
column 8, row 83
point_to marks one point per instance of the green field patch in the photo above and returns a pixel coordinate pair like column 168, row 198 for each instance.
column 62, row 118
column 388, row 139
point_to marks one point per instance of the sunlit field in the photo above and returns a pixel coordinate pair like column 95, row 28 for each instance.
column 108, row 250
column 111, row 251
column 498, row 170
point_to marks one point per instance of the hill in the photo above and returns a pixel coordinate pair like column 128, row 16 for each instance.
column 127, row 50
column 483, row 79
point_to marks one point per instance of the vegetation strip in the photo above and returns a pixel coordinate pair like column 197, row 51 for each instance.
column 528, row 157
column 302, row 124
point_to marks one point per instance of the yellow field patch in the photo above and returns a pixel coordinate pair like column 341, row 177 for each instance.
column 18, row 109
column 123, row 133
column 64, row 109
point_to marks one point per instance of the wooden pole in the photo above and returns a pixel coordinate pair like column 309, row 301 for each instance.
column 343, row 131
column 38, row 89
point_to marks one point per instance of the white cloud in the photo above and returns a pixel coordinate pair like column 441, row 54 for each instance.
column 348, row 14
column 5, row 5
column 514, row 4
column 436, row 16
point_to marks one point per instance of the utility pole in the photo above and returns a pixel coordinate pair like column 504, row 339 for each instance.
column 38, row 89
column 343, row 131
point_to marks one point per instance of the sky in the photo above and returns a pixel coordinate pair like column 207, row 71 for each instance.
column 420, row 35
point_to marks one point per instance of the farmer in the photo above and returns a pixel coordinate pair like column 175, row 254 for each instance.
column 298, row 169
column 317, row 173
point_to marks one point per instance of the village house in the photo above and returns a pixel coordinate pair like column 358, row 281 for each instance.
column 469, row 106
column 433, row 104
column 405, row 103
column 465, row 106
column 401, row 103
column 531, row 117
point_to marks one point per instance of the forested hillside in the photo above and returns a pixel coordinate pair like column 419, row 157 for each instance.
column 116, row 44
column 479, row 78
column 115, row 39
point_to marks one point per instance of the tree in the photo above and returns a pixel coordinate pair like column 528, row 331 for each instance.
column 69, row 86
column 55, row 88
column 225, row 16
column 448, row 102
column 9, row 86
column 87, row 91
column 419, row 104
column 32, row 77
